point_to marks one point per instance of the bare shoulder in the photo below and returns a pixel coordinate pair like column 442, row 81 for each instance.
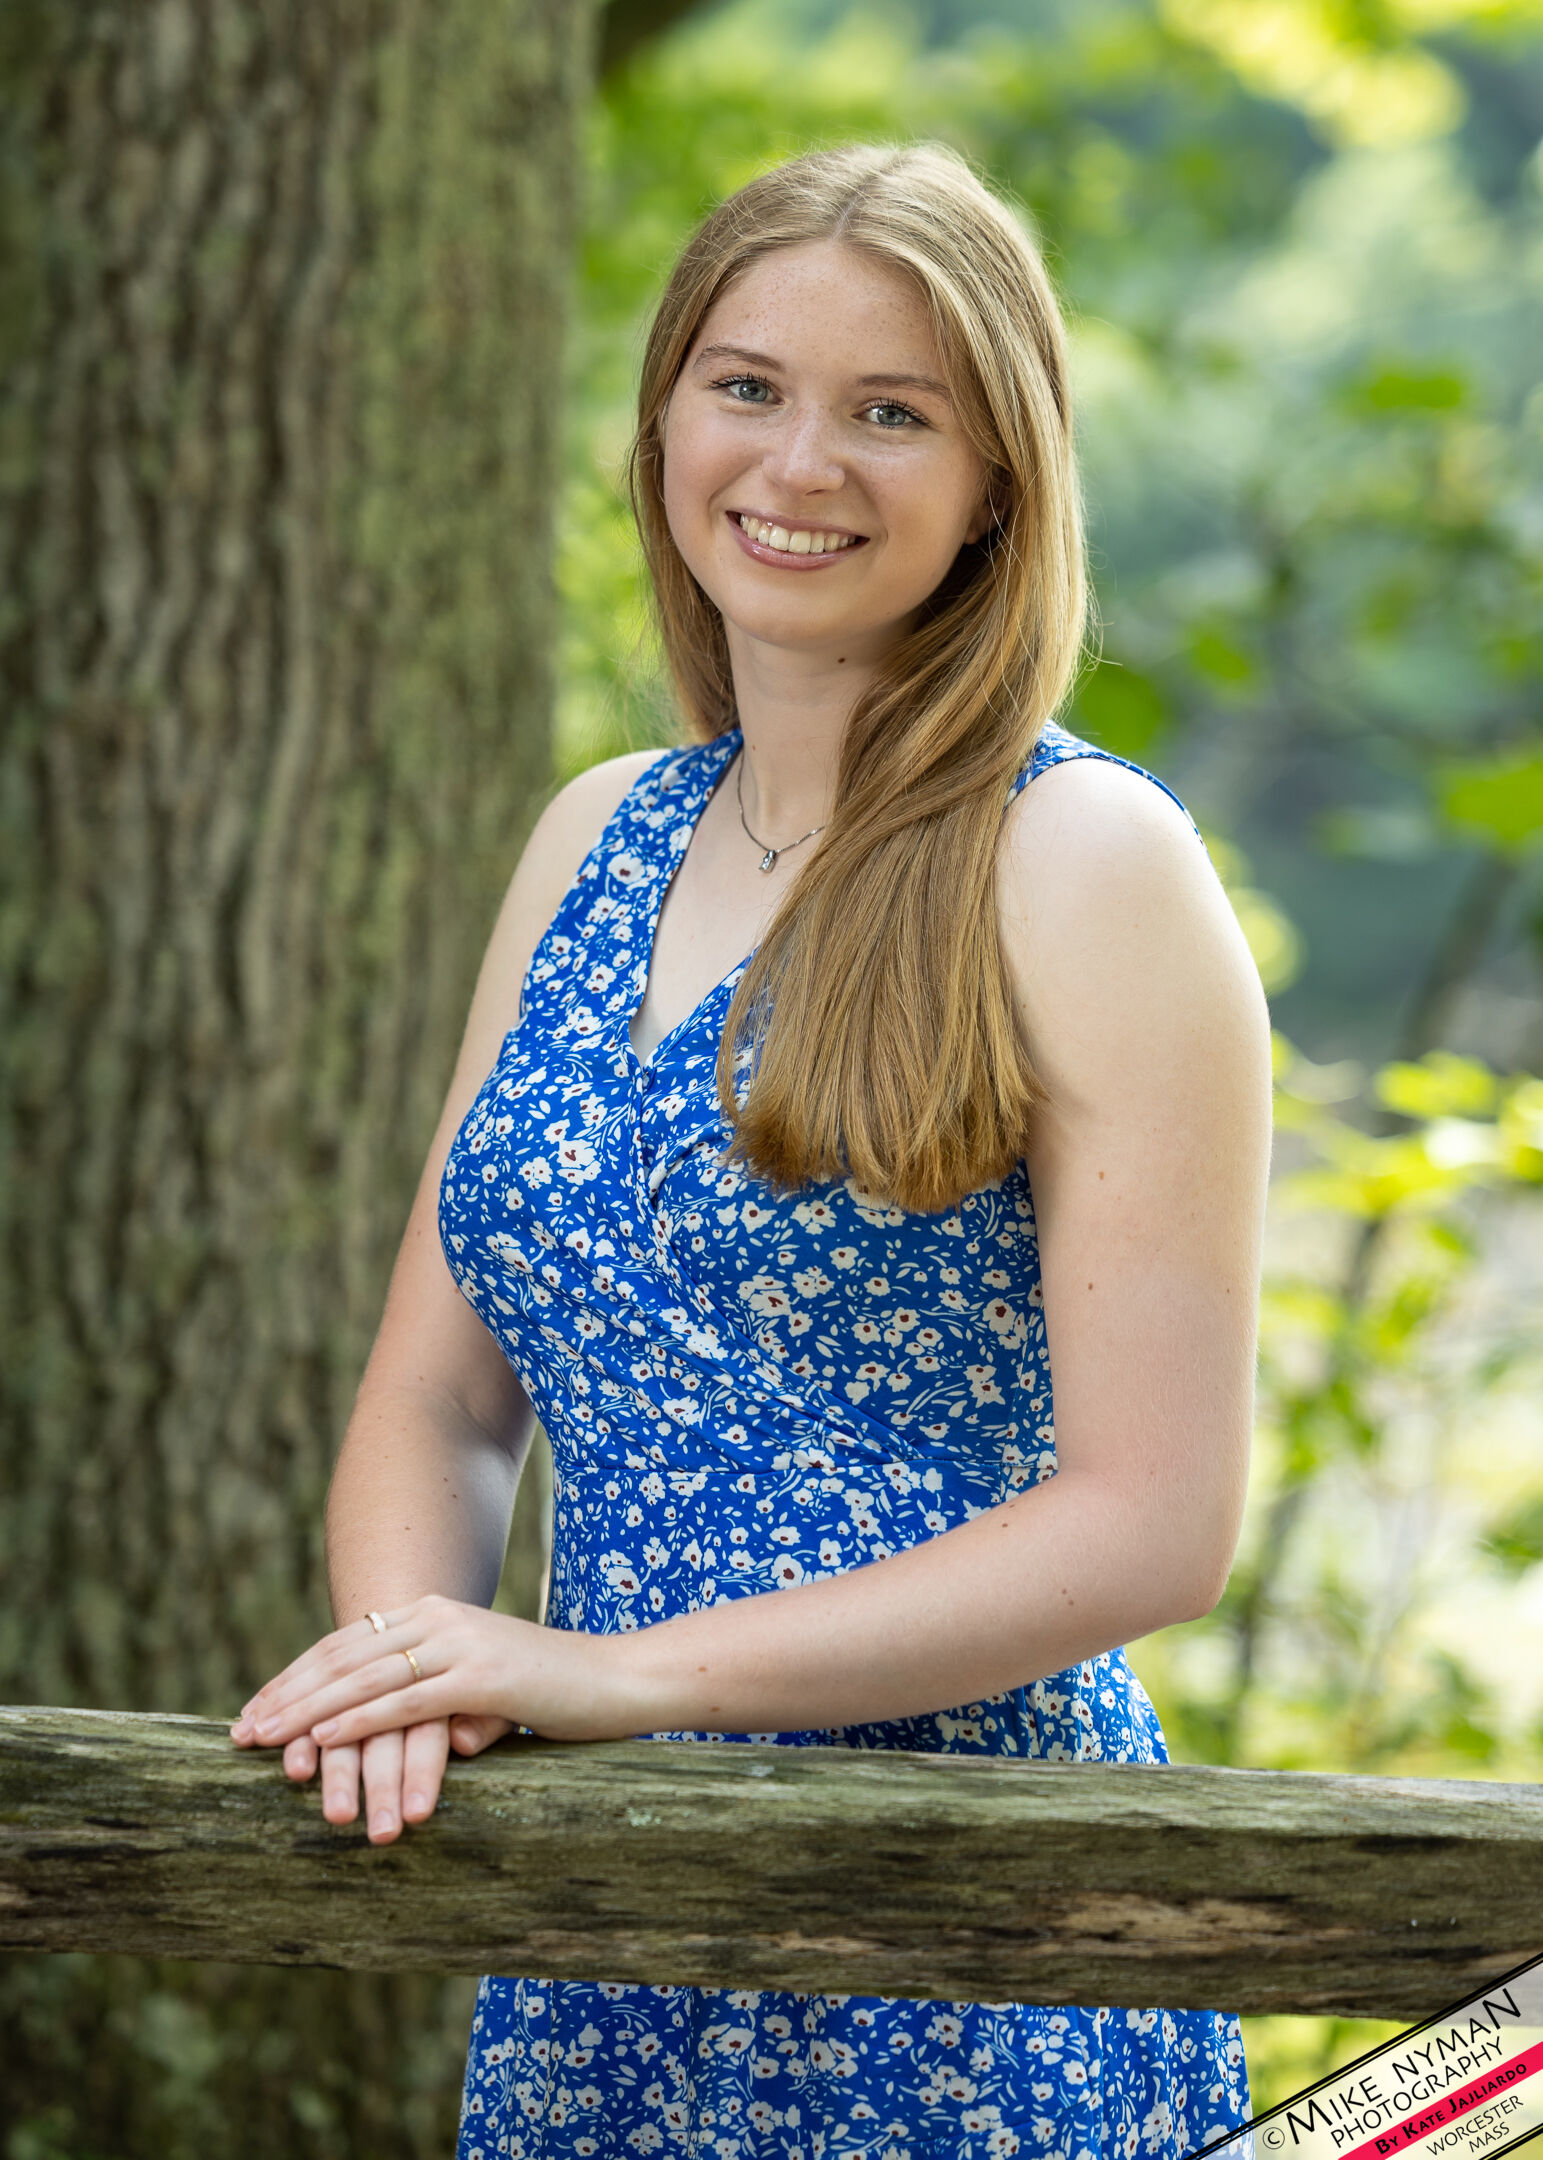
column 1124, row 953
column 1104, row 821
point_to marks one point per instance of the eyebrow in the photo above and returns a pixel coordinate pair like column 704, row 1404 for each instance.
column 864, row 382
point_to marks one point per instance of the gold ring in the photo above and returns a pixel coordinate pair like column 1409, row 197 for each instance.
column 413, row 1662
column 376, row 1622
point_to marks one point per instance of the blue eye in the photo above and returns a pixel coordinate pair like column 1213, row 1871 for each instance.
column 732, row 383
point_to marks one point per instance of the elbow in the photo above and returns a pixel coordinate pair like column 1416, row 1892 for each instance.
column 1205, row 1600
column 1171, row 1598
column 1204, row 1585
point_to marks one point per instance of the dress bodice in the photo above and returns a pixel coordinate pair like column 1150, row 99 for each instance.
column 743, row 1390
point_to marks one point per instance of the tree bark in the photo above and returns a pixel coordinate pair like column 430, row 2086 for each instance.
column 280, row 365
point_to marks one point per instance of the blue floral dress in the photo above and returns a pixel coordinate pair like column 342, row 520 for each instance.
column 744, row 1392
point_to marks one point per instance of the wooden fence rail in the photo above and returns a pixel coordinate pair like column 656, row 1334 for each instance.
column 749, row 1865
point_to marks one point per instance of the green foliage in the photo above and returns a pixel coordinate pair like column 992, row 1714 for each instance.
column 1378, row 1615
column 1121, row 710
column 1517, row 1542
column 1398, row 1485
column 1499, row 799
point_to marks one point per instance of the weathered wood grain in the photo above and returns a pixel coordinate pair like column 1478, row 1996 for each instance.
column 819, row 1869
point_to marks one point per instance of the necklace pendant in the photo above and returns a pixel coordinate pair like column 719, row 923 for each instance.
column 769, row 859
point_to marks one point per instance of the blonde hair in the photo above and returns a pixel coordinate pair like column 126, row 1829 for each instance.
column 877, row 1007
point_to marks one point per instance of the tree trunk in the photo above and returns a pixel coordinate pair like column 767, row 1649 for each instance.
column 279, row 388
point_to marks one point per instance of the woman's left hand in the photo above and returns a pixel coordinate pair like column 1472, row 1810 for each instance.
column 358, row 1681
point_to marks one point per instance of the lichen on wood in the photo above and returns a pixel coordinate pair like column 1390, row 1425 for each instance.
column 821, row 1869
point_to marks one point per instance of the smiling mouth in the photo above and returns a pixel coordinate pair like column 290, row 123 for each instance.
column 805, row 545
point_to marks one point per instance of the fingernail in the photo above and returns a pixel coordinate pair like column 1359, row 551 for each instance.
column 383, row 1821
column 267, row 1727
column 325, row 1729
column 414, row 1804
column 241, row 1728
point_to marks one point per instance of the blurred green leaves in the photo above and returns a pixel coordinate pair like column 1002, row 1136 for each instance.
column 1499, row 800
column 1121, row 710
column 1395, row 389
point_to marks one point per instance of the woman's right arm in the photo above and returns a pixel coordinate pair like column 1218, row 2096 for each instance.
column 424, row 1484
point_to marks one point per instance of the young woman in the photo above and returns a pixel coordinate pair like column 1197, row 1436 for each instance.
column 775, row 1037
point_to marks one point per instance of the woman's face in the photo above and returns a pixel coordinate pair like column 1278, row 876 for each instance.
column 817, row 480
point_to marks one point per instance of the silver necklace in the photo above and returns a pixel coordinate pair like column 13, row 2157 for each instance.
column 769, row 859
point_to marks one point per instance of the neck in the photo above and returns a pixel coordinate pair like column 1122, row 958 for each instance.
column 793, row 710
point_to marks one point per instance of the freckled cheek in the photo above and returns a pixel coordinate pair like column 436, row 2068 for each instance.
column 695, row 478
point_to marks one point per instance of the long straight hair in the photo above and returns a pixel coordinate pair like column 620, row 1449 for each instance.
column 877, row 1009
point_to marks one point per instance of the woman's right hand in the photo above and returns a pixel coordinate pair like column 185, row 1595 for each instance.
column 401, row 1771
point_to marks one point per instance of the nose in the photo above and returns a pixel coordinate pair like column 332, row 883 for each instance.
column 803, row 456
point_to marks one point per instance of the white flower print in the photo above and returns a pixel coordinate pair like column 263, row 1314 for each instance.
column 983, row 1383
column 577, row 1161
column 764, row 1294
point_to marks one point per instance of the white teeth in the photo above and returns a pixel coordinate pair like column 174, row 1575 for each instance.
column 785, row 542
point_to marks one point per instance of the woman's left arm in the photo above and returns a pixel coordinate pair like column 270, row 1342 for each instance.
column 1148, row 1163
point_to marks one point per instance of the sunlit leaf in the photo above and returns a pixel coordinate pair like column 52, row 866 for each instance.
column 1440, row 1085
column 1318, row 59
column 1408, row 389
column 1500, row 799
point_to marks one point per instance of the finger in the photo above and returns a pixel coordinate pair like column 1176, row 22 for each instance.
column 426, row 1749
column 415, row 1704
column 300, row 1759
column 343, row 1649
column 382, row 1762
column 470, row 1735
column 388, row 1676
column 340, row 1783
